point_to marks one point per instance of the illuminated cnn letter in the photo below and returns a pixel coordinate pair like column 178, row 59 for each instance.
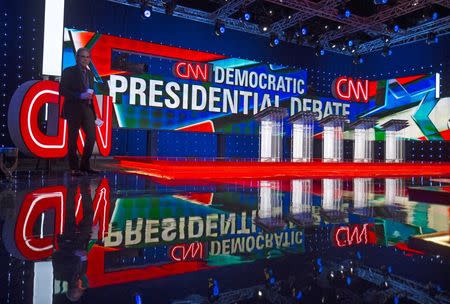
column 23, row 120
column 345, row 88
column 36, row 104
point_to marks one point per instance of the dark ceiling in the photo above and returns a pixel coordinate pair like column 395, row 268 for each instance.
column 368, row 27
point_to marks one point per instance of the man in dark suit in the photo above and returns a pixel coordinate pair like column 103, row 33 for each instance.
column 77, row 83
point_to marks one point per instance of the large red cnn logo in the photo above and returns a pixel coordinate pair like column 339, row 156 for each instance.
column 30, row 101
column 345, row 236
column 36, row 203
column 189, row 70
column 187, row 252
column 346, row 88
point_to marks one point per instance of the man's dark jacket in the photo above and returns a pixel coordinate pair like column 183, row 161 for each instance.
column 71, row 87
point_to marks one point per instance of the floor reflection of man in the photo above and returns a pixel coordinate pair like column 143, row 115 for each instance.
column 70, row 259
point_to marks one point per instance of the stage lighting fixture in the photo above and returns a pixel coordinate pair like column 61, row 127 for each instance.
column 432, row 38
column 170, row 7
column 219, row 28
column 319, row 51
column 393, row 28
column 333, row 45
column 378, row 2
column 357, row 59
column 146, row 10
column 344, row 11
column 386, row 51
column 304, row 31
column 274, row 40
column 264, row 26
column 260, row 293
column 350, row 43
column 387, row 39
column 434, row 16
column 247, row 16
column 339, row 27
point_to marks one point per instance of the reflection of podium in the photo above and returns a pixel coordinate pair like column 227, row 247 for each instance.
column 364, row 139
column 302, row 136
column 301, row 203
column 270, row 208
column 333, row 138
column 271, row 133
column 332, row 199
column 363, row 193
column 395, row 140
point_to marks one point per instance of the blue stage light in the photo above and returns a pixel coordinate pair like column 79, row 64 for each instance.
column 396, row 28
column 347, row 13
column 147, row 13
column 219, row 28
column 274, row 40
column 350, row 43
column 304, row 31
column 137, row 299
column 435, row 16
column 247, row 16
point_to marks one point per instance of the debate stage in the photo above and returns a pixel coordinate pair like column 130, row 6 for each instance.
column 186, row 169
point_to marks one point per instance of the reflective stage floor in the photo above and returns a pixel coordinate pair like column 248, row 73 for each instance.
column 126, row 238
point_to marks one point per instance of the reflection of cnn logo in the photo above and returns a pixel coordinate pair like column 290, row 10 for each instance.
column 35, row 101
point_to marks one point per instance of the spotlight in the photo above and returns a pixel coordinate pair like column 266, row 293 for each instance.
column 347, row 13
column 146, row 10
column 386, row 51
column 339, row 27
column 393, row 28
column 264, row 26
column 260, row 293
column 343, row 48
column 219, row 28
column 274, row 40
column 304, row 30
column 387, row 39
column 432, row 38
column 247, row 16
column 350, row 43
column 378, row 2
column 434, row 16
column 357, row 59
column 344, row 12
column 333, row 45
column 319, row 51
